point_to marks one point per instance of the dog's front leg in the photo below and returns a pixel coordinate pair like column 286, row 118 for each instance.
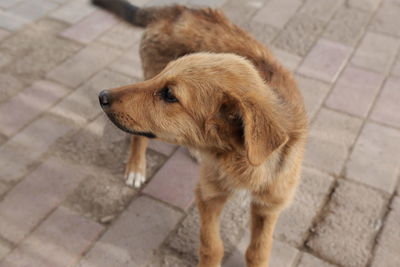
column 263, row 220
column 211, row 247
column 135, row 172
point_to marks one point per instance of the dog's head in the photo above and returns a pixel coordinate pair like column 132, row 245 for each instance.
column 215, row 102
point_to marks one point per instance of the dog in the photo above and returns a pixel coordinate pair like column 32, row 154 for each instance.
column 210, row 86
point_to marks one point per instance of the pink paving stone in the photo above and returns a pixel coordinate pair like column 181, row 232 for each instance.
column 28, row 104
column 387, row 108
column 133, row 239
column 91, row 27
column 325, row 60
column 355, row 91
column 35, row 197
column 58, row 242
column 175, row 182
column 162, row 147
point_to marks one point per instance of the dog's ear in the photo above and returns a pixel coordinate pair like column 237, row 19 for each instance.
column 263, row 131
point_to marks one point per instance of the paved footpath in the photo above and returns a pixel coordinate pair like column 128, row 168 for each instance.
column 63, row 201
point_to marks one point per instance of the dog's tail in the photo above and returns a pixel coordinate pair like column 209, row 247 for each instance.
column 127, row 12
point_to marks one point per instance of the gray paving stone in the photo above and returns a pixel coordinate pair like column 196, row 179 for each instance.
column 3, row 189
column 295, row 222
column 9, row 85
column 355, row 91
column 122, row 36
column 11, row 22
column 129, row 63
column 73, row 11
column 288, row 60
column 3, row 34
column 376, row 52
column 35, row 197
column 133, row 238
column 233, row 221
column 364, row 4
column 347, row 231
column 299, row 34
column 241, row 12
column 325, row 61
column 322, row 10
column 330, row 138
column 347, row 26
column 396, row 67
column 5, row 59
column 374, row 160
column 387, row 248
column 387, row 18
column 386, row 108
column 308, row 260
column 207, row 3
column 82, row 65
column 5, row 248
column 59, row 241
column 262, row 32
column 314, row 93
column 32, row 10
column 37, row 50
column 277, row 12
column 8, row 3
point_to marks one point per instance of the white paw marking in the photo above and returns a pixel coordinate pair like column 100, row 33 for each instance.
column 135, row 179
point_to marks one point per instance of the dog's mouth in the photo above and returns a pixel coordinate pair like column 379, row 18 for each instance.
column 116, row 117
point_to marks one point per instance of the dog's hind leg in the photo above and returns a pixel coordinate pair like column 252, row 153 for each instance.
column 135, row 172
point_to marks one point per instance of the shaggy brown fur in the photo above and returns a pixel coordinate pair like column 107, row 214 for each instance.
column 212, row 87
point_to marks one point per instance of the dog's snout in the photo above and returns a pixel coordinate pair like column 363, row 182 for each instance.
column 104, row 98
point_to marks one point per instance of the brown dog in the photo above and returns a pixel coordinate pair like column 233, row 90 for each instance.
column 214, row 88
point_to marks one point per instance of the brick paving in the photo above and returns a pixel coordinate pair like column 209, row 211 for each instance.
column 63, row 201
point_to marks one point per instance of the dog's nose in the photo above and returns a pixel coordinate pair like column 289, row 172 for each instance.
column 104, row 98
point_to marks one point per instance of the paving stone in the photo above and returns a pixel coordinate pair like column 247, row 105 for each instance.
column 5, row 248
column 325, row 60
column 262, row 32
column 180, row 171
column 3, row 34
column 5, row 59
column 387, row 248
column 387, row 18
column 83, row 65
column 9, row 86
column 308, row 260
column 91, row 27
column 169, row 259
column 314, row 92
column 129, row 63
column 282, row 255
column 299, row 34
column 347, row 26
column 14, row 159
column 355, row 91
column 59, row 241
column 37, row 50
column 330, row 138
column 122, row 35
column 8, row 3
column 374, row 160
column 28, row 104
column 288, row 60
column 207, row 3
column 294, row 223
column 234, row 219
column 73, row 11
column 396, row 67
column 35, row 197
column 277, row 12
column 386, row 108
column 136, row 234
column 241, row 12
column 161, row 147
column 376, row 52
column 362, row 4
column 347, row 232
column 3, row 189
column 82, row 105
column 32, row 10
column 10, row 21
column 322, row 10
column 100, row 195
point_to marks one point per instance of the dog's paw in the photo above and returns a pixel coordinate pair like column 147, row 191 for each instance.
column 135, row 179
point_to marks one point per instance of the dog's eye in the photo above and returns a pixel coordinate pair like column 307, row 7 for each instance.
column 167, row 96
